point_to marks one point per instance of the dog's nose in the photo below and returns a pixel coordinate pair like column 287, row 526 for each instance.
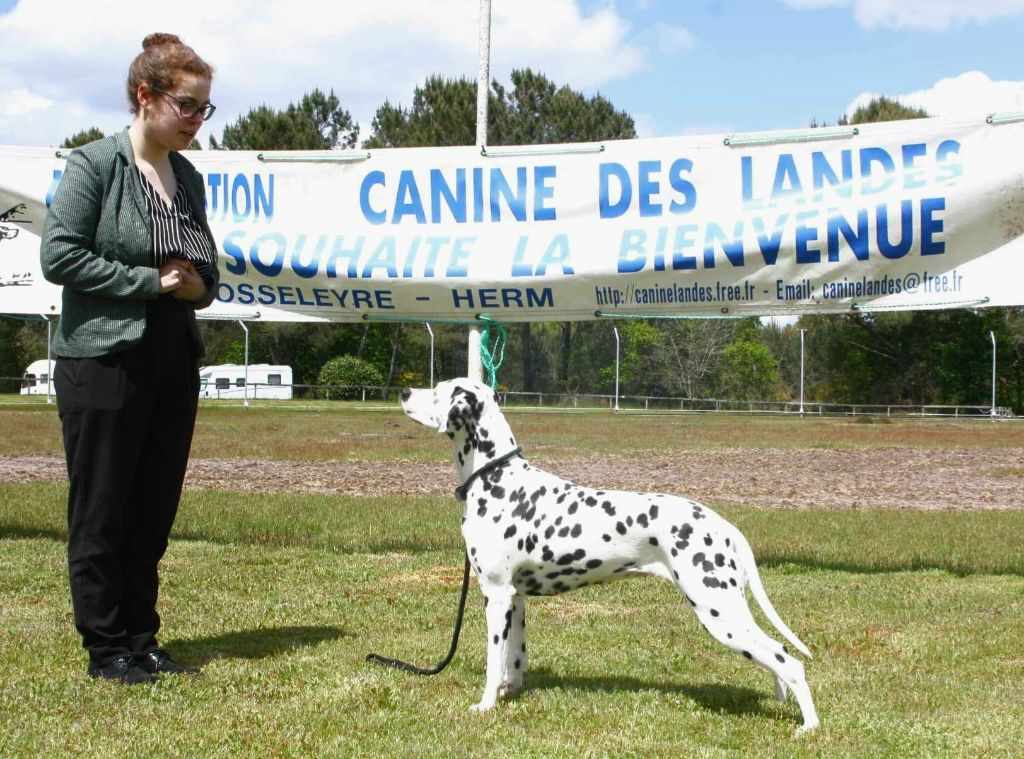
column 406, row 394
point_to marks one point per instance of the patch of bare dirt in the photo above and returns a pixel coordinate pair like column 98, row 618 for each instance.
column 940, row 479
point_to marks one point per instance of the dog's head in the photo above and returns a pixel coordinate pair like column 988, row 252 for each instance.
column 452, row 406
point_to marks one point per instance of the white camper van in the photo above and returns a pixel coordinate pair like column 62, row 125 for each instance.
column 38, row 379
column 263, row 381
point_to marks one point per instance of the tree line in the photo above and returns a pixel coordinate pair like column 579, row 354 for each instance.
column 922, row 357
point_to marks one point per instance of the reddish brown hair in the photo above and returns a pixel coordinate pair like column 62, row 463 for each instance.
column 162, row 56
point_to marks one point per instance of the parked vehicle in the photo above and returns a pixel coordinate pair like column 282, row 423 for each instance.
column 262, row 381
column 38, row 378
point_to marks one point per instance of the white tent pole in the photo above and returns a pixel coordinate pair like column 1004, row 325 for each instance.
column 474, row 368
column 49, row 360
column 245, row 389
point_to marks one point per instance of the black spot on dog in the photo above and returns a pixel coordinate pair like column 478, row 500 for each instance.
column 653, row 511
column 549, row 532
column 607, row 506
column 748, row 655
column 498, row 492
column 510, row 532
column 642, row 520
column 594, row 563
column 719, row 560
column 563, row 532
column 620, row 528
column 653, row 541
column 780, row 658
column 707, row 540
column 606, row 538
column 714, row 612
column 573, row 507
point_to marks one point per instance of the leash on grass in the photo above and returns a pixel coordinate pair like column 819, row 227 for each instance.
column 399, row 664
column 492, row 359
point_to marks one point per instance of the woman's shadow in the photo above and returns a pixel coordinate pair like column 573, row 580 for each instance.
column 252, row 644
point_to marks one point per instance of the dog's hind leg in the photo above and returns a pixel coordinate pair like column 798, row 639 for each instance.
column 499, row 603
column 734, row 626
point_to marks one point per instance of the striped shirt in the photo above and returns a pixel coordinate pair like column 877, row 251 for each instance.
column 176, row 233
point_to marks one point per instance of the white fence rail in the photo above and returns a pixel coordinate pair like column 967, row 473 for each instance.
column 634, row 403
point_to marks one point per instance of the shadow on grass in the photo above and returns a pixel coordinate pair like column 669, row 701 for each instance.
column 252, row 644
column 958, row 566
column 909, row 564
column 715, row 697
column 19, row 532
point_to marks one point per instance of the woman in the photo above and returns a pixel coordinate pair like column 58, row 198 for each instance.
column 127, row 238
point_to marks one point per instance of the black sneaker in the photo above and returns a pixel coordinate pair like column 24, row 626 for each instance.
column 159, row 662
column 123, row 670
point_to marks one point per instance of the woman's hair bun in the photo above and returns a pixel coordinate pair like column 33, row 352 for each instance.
column 160, row 38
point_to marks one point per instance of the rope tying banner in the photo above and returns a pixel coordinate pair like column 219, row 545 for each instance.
column 492, row 356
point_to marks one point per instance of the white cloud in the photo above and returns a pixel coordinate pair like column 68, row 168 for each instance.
column 918, row 14
column 970, row 94
column 21, row 102
column 271, row 52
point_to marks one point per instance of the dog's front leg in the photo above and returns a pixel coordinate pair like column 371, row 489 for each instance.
column 498, row 606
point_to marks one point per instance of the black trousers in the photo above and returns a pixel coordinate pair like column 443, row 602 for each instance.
column 127, row 420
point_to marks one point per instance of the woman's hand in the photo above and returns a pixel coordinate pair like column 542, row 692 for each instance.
column 171, row 276
column 180, row 278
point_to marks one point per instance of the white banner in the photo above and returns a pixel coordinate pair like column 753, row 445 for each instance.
column 905, row 215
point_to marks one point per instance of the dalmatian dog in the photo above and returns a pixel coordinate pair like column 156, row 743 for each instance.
column 529, row 532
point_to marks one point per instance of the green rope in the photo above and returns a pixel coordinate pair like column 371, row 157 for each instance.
column 492, row 356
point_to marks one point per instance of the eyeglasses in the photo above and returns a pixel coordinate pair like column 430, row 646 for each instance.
column 188, row 109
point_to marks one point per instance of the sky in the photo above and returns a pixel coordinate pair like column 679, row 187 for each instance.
column 679, row 68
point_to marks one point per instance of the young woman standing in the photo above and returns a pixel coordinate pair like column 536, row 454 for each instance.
column 127, row 238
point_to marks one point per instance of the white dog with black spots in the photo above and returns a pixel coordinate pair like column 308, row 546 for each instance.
column 529, row 532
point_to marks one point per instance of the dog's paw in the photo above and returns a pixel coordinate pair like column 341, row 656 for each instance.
column 806, row 728
column 483, row 706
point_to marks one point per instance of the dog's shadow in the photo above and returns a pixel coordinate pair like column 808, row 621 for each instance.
column 715, row 697
column 252, row 644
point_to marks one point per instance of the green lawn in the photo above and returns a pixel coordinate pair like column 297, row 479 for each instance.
column 915, row 620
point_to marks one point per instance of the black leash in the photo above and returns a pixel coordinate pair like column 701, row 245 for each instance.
column 460, row 493
column 399, row 664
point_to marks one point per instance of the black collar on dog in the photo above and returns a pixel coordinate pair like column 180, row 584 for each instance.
column 461, row 492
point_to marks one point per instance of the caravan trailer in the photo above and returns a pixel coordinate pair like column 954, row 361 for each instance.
column 37, row 379
column 263, row 381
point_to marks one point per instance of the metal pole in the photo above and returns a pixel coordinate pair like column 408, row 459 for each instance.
column 49, row 361
column 992, row 335
column 802, row 372
column 431, row 331
column 475, row 368
column 617, row 344
column 245, row 391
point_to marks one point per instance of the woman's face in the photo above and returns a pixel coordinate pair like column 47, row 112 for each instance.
column 161, row 110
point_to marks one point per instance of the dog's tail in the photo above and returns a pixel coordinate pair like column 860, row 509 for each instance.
column 757, row 591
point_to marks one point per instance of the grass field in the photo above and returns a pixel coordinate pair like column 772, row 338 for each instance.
column 915, row 618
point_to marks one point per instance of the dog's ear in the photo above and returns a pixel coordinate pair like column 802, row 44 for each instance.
column 460, row 410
